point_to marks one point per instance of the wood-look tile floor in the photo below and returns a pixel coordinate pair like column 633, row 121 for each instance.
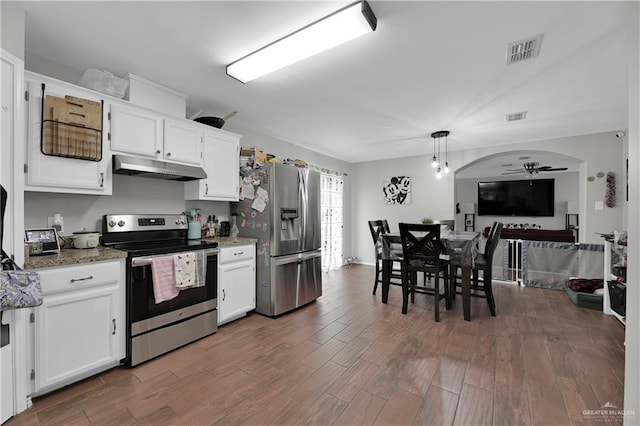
column 349, row 359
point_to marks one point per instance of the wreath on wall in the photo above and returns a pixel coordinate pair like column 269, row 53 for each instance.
column 610, row 194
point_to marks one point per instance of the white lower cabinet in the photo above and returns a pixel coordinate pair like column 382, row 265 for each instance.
column 236, row 282
column 79, row 329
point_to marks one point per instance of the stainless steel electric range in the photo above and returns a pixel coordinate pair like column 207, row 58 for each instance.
column 156, row 328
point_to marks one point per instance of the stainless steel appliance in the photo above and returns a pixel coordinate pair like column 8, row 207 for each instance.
column 135, row 166
column 288, row 264
column 156, row 328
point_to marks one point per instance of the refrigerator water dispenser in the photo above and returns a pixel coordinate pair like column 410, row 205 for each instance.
column 287, row 216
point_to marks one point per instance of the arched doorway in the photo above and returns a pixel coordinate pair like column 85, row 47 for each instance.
column 566, row 171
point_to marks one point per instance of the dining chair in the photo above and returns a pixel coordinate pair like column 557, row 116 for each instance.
column 483, row 262
column 421, row 249
column 378, row 227
column 456, row 269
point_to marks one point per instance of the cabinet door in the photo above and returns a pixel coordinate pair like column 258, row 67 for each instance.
column 136, row 131
column 236, row 283
column 79, row 328
column 10, row 130
column 76, row 335
column 221, row 162
column 47, row 173
column 183, row 141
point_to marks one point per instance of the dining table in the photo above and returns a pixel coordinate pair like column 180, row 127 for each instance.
column 460, row 247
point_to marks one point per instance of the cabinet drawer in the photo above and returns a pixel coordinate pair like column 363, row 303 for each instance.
column 236, row 254
column 78, row 276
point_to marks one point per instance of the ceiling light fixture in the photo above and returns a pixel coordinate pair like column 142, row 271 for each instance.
column 335, row 29
column 436, row 163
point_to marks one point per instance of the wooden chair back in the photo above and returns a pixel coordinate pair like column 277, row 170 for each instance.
column 421, row 242
column 492, row 241
column 378, row 227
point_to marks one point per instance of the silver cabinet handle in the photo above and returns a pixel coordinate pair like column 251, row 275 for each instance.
column 168, row 154
column 158, row 151
column 238, row 253
column 223, row 294
column 206, row 188
column 73, row 280
column 101, row 179
column 113, row 333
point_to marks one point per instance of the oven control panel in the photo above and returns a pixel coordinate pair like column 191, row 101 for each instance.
column 151, row 221
column 126, row 223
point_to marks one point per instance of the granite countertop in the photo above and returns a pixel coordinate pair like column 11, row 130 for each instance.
column 73, row 256
column 231, row 241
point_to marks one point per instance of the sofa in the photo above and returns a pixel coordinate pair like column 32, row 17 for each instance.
column 559, row 235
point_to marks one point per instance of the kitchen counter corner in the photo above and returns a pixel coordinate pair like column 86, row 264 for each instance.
column 73, row 256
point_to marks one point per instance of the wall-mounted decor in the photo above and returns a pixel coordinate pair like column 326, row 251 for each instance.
column 610, row 193
column 397, row 190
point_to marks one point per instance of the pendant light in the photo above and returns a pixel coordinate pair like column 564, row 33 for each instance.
column 436, row 162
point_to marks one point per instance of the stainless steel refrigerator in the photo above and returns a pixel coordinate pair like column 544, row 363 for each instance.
column 282, row 210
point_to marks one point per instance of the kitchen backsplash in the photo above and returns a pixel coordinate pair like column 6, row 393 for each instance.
column 131, row 195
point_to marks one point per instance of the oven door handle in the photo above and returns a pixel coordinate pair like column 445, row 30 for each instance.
column 143, row 261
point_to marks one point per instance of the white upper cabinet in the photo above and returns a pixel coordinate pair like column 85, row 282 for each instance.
column 183, row 141
column 136, row 131
column 221, row 152
column 141, row 132
column 56, row 173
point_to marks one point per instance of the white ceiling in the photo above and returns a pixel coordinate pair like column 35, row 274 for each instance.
column 429, row 66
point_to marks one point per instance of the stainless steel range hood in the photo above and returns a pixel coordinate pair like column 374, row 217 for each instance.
column 134, row 166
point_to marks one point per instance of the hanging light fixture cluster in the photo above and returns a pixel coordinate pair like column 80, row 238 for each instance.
column 436, row 162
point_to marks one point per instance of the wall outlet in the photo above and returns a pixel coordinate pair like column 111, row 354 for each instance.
column 57, row 224
column 599, row 205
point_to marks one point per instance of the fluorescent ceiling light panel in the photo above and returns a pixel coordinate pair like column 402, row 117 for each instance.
column 333, row 30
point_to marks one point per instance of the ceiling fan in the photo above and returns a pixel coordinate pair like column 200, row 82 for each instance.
column 533, row 168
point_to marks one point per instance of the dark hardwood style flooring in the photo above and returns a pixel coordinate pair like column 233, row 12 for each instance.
column 348, row 359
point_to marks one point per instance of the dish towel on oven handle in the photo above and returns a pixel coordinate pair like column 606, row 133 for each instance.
column 184, row 265
column 164, row 283
column 201, row 269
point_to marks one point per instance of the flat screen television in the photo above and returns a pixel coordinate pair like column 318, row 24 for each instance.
column 532, row 197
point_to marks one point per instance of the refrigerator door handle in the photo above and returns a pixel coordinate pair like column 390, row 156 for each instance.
column 293, row 258
column 311, row 254
column 304, row 199
column 298, row 277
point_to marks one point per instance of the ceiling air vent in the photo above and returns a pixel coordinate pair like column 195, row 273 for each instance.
column 516, row 116
column 524, row 49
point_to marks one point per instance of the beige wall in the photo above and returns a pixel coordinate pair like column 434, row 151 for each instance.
column 437, row 198
column 13, row 25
